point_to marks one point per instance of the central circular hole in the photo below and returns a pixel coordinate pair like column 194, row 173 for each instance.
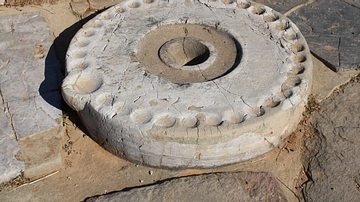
column 184, row 51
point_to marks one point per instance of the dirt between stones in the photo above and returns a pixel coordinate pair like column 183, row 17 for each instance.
column 89, row 170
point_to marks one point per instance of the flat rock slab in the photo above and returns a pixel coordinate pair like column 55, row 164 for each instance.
column 335, row 169
column 242, row 186
column 329, row 26
column 282, row 6
column 30, row 103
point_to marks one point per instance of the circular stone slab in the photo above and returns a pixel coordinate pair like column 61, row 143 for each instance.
column 188, row 83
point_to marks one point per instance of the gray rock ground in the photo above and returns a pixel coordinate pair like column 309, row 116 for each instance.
column 242, row 186
column 335, row 168
column 331, row 28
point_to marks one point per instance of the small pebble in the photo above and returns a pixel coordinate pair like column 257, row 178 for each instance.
column 151, row 172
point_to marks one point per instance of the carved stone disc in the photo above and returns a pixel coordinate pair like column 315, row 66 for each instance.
column 188, row 83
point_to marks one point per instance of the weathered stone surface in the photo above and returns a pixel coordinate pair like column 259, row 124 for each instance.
column 41, row 152
column 335, row 168
column 10, row 167
column 80, row 8
column 331, row 31
column 329, row 27
column 142, row 96
column 326, row 81
column 29, row 109
column 101, row 4
column 282, row 5
column 243, row 186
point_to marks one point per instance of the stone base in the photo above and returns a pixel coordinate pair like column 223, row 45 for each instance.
column 214, row 84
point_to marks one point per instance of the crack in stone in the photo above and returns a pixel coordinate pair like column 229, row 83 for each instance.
column 245, row 102
column 224, row 95
column 173, row 105
column 343, row 138
column 311, row 28
column 12, row 121
column 183, row 46
column 2, row 101
column 122, row 80
column 287, row 13
column 338, row 48
column 104, row 48
column 6, row 108
column 289, row 189
column 112, row 33
column 350, row 4
column 36, row 118
column 222, row 188
column 197, row 134
column 141, row 154
column 208, row 6
column 219, row 87
column 271, row 144
column 217, row 127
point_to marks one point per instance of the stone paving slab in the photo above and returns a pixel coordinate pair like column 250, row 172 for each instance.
column 282, row 6
column 9, row 166
column 25, row 41
column 242, row 186
column 331, row 28
column 334, row 169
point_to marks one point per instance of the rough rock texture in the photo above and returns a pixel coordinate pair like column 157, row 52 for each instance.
column 29, row 103
column 335, row 168
column 282, row 5
column 329, row 26
column 242, row 186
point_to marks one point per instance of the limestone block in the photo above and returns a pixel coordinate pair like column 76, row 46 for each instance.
column 26, row 124
column 10, row 167
column 214, row 83
column 30, row 104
